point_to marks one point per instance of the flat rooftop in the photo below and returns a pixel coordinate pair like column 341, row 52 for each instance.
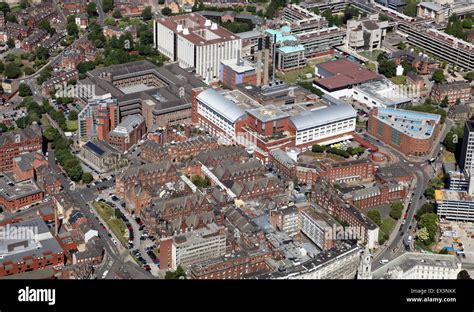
column 32, row 238
column 417, row 125
column 342, row 73
column 197, row 29
column 12, row 190
column 384, row 91
column 410, row 260
column 239, row 65
column 268, row 113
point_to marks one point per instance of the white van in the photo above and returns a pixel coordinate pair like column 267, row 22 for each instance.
column 383, row 261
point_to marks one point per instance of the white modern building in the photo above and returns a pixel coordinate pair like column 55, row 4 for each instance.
column 217, row 113
column 413, row 265
column 195, row 42
column 467, row 150
column 196, row 246
column 326, row 125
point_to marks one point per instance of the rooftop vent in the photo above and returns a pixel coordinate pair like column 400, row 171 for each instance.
column 186, row 31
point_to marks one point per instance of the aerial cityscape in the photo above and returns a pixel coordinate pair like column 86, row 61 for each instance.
column 236, row 139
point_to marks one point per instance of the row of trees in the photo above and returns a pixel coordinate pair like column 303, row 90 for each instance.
column 350, row 151
column 63, row 155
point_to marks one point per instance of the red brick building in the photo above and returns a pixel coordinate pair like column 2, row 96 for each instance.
column 25, row 165
column 17, row 195
column 376, row 195
column 177, row 215
column 247, row 171
column 14, row 143
column 128, row 133
column 152, row 151
column 258, row 189
column 412, row 133
column 30, row 252
column 453, row 91
column 145, row 175
column 236, row 266
column 326, row 196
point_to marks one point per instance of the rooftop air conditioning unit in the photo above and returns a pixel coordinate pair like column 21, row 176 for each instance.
column 214, row 26
column 186, row 31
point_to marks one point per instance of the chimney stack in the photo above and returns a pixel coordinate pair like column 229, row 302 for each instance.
column 259, row 62
column 266, row 61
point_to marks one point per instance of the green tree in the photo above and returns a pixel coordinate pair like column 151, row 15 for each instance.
column 423, row 235
column 425, row 208
column 11, row 18
column 444, row 103
column 44, row 24
column 24, row 4
column 375, row 216
column 42, row 53
column 108, row 5
column 91, row 9
column 318, row 148
column 12, row 70
column 387, row 68
column 463, row 274
column 147, row 14
column 166, row 11
column 469, row 76
column 178, row 274
column 87, row 177
column 396, row 210
column 11, row 43
column 72, row 115
column 24, row 90
column 117, row 14
column 4, row 7
column 438, row 76
column 430, row 221
column 72, row 29
column 410, row 8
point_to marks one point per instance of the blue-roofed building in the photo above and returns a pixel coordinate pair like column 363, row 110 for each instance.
column 410, row 132
column 290, row 54
column 101, row 157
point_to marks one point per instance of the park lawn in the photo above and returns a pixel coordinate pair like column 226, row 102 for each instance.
column 118, row 227
column 322, row 155
column 387, row 225
column 44, row 120
column 105, row 211
column 399, row 80
column 108, row 215
column 292, row 76
column 71, row 125
column 371, row 55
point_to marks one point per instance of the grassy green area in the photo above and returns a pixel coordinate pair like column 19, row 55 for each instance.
column 387, row 225
column 399, row 80
column 322, row 155
column 292, row 76
column 108, row 215
column 371, row 66
column 449, row 157
column 71, row 125
column 44, row 120
column 371, row 55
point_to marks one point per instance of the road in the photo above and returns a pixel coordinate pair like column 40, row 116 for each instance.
column 81, row 197
column 423, row 172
